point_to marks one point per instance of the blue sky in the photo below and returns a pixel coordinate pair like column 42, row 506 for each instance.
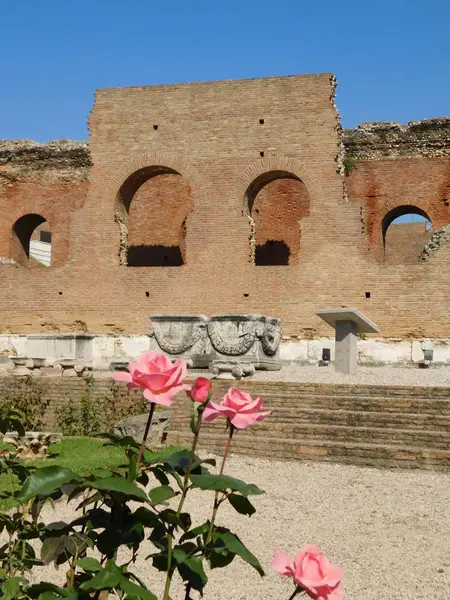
column 391, row 57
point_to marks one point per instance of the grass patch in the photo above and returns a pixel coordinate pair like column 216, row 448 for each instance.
column 80, row 454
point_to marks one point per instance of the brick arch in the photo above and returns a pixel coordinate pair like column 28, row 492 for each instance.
column 376, row 215
column 21, row 232
column 274, row 239
column 146, row 166
column 278, row 163
column 156, row 159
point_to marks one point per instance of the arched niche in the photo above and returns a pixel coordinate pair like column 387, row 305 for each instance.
column 276, row 201
column 31, row 243
column 405, row 230
column 152, row 208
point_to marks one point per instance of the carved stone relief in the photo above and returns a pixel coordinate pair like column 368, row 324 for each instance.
column 236, row 344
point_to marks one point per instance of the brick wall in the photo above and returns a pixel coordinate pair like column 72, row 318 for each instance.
column 199, row 149
column 156, row 221
column 277, row 210
column 404, row 242
column 420, row 184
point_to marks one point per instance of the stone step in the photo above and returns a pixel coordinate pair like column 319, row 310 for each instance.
column 307, row 389
column 354, row 403
column 403, row 420
column 364, row 454
column 425, row 406
column 342, row 433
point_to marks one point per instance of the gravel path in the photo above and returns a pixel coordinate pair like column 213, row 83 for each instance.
column 406, row 376
column 388, row 529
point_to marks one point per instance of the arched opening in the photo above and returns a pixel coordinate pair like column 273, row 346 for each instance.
column 153, row 206
column 276, row 201
column 405, row 231
column 32, row 241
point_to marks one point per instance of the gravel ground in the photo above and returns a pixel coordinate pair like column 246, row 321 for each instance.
column 406, row 376
column 389, row 530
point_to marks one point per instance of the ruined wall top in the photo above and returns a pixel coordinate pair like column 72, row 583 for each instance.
column 387, row 140
column 63, row 161
column 58, row 154
column 368, row 141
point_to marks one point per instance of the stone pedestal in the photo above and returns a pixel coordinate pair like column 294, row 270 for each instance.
column 347, row 322
column 60, row 347
column 346, row 347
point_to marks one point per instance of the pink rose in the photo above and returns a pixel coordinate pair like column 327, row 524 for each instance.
column 200, row 390
column 312, row 572
column 237, row 406
column 157, row 375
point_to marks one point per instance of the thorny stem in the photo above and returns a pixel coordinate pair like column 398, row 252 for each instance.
column 296, row 592
column 10, row 551
column 147, row 429
column 26, row 512
column 70, row 576
column 184, row 491
column 216, row 496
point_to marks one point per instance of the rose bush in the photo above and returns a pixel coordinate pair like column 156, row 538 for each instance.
column 119, row 509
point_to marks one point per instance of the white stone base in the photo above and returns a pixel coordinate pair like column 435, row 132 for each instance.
column 372, row 351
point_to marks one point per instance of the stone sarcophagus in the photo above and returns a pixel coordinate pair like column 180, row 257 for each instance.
column 236, row 344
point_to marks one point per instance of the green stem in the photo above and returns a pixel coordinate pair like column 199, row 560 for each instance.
column 188, row 591
column 216, row 496
column 10, row 558
column 296, row 593
column 70, row 576
column 147, row 429
column 26, row 512
column 184, row 491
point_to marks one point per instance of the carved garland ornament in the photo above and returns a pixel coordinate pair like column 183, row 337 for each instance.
column 270, row 339
column 177, row 337
column 233, row 338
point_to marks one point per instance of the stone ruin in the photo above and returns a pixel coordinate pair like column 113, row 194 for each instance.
column 236, row 344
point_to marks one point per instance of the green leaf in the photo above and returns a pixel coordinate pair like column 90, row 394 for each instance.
column 179, row 555
column 218, row 560
column 191, row 570
column 107, row 578
column 177, row 460
column 160, row 494
column 61, row 593
column 199, row 530
column 91, row 565
column 241, row 504
column 160, row 475
column 183, row 521
column 144, row 516
column 12, row 588
column 234, row 544
column 101, row 473
column 57, row 526
column 46, row 480
column 117, row 440
column 118, row 484
column 223, row 483
column 132, row 471
column 136, row 591
column 50, row 591
column 51, row 548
